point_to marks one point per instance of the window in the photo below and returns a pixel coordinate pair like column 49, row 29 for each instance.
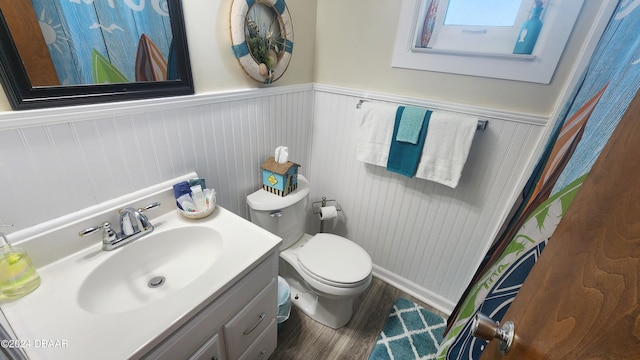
column 485, row 13
column 475, row 26
column 474, row 37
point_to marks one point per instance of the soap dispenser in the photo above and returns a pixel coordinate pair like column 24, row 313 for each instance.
column 18, row 277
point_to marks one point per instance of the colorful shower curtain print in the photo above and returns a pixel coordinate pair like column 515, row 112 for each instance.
column 493, row 293
column 558, row 151
column 609, row 84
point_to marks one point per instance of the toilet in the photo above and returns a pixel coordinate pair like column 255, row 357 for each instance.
column 325, row 272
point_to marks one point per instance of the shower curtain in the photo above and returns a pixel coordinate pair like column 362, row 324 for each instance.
column 585, row 125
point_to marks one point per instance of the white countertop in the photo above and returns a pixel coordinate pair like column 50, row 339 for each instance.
column 51, row 325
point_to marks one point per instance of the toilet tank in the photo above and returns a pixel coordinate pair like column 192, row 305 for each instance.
column 283, row 216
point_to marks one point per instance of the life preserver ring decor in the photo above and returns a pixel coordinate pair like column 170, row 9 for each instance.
column 262, row 37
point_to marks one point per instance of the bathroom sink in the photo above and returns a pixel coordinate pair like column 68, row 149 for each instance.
column 145, row 291
column 150, row 269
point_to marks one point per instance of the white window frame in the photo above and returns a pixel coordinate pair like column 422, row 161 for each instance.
column 559, row 19
column 488, row 39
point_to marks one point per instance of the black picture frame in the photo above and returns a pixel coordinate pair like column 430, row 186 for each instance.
column 23, row 96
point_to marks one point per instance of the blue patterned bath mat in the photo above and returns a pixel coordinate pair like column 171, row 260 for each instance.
column 411, row 332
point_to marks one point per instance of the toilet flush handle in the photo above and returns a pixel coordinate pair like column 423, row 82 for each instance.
column 276, row 214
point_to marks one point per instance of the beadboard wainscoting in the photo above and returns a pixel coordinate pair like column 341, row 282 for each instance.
column 57, row 161
column 424, row 238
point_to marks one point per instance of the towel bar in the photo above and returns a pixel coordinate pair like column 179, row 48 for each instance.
column 482, row 124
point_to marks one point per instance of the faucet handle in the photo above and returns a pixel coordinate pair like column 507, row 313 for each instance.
column 107, row 235
column 144, row 221
column 148, row 207
column 142, row 209
column 91, row 230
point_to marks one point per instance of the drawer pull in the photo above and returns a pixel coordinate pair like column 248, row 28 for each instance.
column 262, row 354
column 260, row 318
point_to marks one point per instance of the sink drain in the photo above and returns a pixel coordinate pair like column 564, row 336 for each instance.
column 156, row 281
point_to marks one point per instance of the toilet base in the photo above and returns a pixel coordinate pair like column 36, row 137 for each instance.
column 334, row 313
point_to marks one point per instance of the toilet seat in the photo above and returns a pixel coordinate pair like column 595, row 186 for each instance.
column 335, row 261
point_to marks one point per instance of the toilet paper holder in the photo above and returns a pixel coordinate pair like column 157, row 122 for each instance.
column 317, row 205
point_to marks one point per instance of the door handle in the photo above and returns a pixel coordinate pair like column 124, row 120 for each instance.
column 483, row 327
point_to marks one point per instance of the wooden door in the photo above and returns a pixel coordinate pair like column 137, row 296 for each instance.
column 581, row 300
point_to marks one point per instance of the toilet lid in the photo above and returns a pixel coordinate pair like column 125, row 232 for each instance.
column 334, row 259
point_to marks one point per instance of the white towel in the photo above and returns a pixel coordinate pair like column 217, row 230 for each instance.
column 446, row 148
column 375, row 132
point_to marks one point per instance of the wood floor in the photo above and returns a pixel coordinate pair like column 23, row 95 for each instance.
column 302, row 338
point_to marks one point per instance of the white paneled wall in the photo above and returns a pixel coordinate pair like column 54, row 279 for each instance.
column 422, row 236
column 78, row 157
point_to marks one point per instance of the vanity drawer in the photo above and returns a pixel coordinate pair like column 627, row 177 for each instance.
column 251, row 321
column 264, row 346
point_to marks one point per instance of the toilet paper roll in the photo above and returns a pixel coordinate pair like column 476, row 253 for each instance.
column 328, row 212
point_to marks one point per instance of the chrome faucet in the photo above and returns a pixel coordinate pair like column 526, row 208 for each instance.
column 134, row 224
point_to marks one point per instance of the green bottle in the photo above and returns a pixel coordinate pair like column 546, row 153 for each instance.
column 18, row 277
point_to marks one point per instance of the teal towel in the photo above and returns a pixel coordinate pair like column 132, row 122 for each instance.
column 411, row 124
column 404, row 157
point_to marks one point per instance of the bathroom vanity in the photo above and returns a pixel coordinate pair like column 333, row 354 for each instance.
column 191, row 289
column 240, row 324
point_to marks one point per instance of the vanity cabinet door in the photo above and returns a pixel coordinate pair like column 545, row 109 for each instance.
column 209, row 351
column 256, row 317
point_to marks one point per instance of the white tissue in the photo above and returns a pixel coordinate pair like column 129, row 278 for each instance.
column 282, row 154
column 328, row 212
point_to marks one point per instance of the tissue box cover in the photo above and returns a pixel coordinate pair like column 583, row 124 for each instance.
column 279, row 179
